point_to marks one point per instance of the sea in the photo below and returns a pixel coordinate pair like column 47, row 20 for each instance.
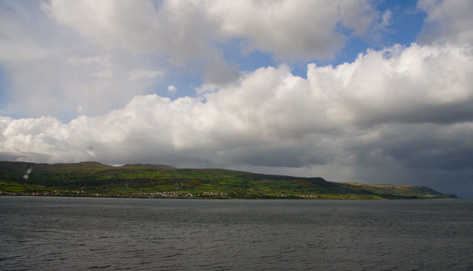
column 65, row 233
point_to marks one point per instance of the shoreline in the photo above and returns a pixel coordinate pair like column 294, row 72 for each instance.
column 222, row 197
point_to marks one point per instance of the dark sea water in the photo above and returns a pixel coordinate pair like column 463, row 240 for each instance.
column 47, row 233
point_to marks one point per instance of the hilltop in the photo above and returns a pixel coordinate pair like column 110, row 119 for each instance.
column 162, row 181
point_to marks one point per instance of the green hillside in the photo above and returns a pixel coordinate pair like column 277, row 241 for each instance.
column 161, row 181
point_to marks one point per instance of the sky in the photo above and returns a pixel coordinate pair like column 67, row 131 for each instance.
column 349, row 90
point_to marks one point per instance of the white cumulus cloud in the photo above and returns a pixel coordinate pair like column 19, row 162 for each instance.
column 292, row 29
column 447, row 21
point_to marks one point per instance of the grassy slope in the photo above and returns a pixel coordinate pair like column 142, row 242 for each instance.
column 141, row 180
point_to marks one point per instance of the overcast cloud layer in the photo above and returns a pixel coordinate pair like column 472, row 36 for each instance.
column 79, row 83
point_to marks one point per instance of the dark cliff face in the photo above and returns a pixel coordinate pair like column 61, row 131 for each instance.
column 148, row 179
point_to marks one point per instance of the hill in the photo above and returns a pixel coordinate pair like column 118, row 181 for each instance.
column 161, row 181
